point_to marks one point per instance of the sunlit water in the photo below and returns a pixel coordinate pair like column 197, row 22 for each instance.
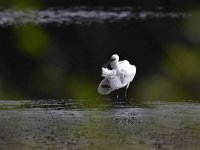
column 83, row 15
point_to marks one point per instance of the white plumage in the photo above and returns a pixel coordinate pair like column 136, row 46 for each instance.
column 120, row 76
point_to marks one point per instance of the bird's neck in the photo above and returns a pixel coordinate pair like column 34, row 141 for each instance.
column 114, row 64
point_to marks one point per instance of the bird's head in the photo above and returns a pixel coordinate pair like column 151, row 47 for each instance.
column 114, row 58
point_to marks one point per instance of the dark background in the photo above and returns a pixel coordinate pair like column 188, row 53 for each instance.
column 67, row 63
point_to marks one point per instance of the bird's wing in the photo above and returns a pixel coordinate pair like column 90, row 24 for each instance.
column 123, row 67
column 106, row 72
column 126, row 71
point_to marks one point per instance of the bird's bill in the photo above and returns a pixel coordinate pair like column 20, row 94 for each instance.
column 107, row 63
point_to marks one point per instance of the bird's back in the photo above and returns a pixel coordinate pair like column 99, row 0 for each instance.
column 126, row 68
column 125, row 72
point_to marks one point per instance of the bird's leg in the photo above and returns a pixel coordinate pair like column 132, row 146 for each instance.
column 126, row 91
column 125, row 96
column 117, row 97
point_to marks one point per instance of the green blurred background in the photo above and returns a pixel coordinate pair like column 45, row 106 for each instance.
column 64, row 61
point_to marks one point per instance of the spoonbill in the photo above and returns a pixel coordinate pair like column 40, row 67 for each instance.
column 120, row 76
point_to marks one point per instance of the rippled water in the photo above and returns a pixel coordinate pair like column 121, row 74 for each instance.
column 62, row 104
column 40, row 124
column 82, row 15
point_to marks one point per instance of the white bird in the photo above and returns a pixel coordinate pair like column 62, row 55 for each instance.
column 120, row 76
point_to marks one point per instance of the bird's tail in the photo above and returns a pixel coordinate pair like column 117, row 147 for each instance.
column 104, row 88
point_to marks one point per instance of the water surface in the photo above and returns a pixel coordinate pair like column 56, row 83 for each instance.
column 84, row 15
column 160, row 126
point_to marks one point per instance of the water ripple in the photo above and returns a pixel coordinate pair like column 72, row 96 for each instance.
column 81, row 15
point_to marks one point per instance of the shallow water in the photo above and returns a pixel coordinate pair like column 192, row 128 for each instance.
column 83, row 15
column 67, row 124
column 159, row 126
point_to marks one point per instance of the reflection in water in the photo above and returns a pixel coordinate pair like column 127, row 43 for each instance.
column 81, row 15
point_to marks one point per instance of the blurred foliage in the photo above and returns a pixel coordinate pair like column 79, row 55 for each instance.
column 32, row 40
column 9, row 92
column 67, row 64
column 159, row 88
column 182, row 63
column 21, row 4
column 179, row 77
column 49, row 79
column 179, row 74
column 191, row 27
column 84, row 89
